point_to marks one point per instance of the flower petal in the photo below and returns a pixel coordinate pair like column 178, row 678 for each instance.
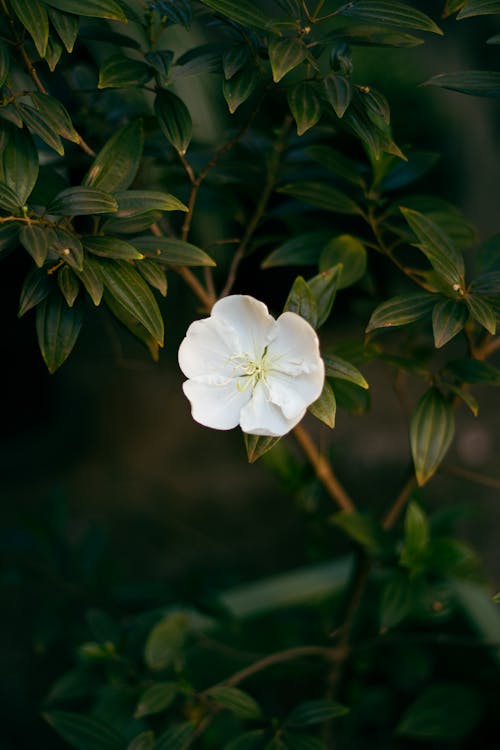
column 261, row 417
column 294, row 394
column 204, row 352
column 216, row 406
column 247, row 324
column 294, row 346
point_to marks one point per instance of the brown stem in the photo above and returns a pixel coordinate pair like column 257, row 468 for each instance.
column 323, row 470
column 471, row 476
column 397, row 507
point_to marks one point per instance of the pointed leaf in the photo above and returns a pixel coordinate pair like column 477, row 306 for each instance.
column 175, row 120
column 302, row 250
column 399, row 311
column 166, row 641
column 85, row 732
column 78, row 201
column 20, row 163
column 68, row 284
column 248, row 741
column 445, row 712
column 474, row 371
column 91, row 279
column 336, row 367
column 143, row 741
column 111, row 247
column 53, row 53
column 132, row 324
column 478, row 8
column 284, row 55
column 341, row 166
column 175, row 737
column 338, row 90
column 122, row 72
column 482, row 312
column 66, row 25
column 241, row 704
column 156, row 698
column 38, row 125
column 57, row 328
column 473, row 82
column 244, row 12
column 68, row 246
column 234, row 59
column 304, row 105
column 257, row 445
column 33, row 17
column 416, row 539
column 116, row 164
column 36, row 287
column 431, row 433
column 325, row 407
column 55, row 115
column 172, row 251
column 154, row 274
column 448, row 319
column 91, row 8
column 136, row 202
column 321, row 195
column 302, row 301
column 324, row 288
column 397, row 601
column 9, row 201
column 388, row 13
column 240, row 87
column 348, row 251
column 315, row 712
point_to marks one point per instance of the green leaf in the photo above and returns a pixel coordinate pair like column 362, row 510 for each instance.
column 315, row 712
column 133, row 294
column 154, row 274
column 111, row 247
column 348, row 251
column 143, row 741
column 285, row 54
column 34, row 18
column 257, row 445
column 302, row 250
column 9, row 201
column 446, row 711
column 482, row 312
column 116, row 164
column 53, row 53
column 234, row 60
column 325, row 407
column 389, row 13
column 399, row 311
column 119, row 72
column 338, row 91
column 20, row 163
column 451, row 6
column 355, row 400
column 339, row 368
column 321, row 195
column 79, row 201
column 165, row 642
column 55, row 115
column 37, row 123
column 84, row 732
column 36, row 287
column 248, row 741
column 304, row 105
column 396, row 601
column 446, row 260
column 57, row 328
column 137, row 202
column 488, row 284
column 431, row 433
column 132, row 324
column 67, row 246
column 68, row 284
column 376, row 103
column 66, row 25
column 241, row 704
column 156, row 698
column 324, row 288
column 473, row 82
column 416, row 539
column 478, row 8
column 474, row 371
column 406, row 172
column 131, row 224
column 91, row 8
column 240, row 87
column 175, row 737
column 448, row 318
column 9, row 234
column 302, row 301
column 244, row 12
column 361, row 528
column 172, row 251
column 175, row 120
column 91, row 279
column 298, row 741
column 4, row 62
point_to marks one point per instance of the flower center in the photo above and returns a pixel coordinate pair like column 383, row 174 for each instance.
column 248, row 370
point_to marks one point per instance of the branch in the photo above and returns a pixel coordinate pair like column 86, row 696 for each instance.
column 471, row 476
column 397, row 507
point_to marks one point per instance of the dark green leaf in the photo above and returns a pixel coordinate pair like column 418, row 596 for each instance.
column 111, row 247
column 339, row 368
column 416, row 539
column 448, row 319
column 37, row 123
column 143, row 741
column 78, row 201
column 338, row 90
column 175, row 120
column 93, row 8
column 248, row 741
column 303, row 250
column 406, row 172
column 132, row 324
column 348, row 251
column 166, row 641
column 4, row 62
column 243, row 12
column 53, row 53
column 116, row 164
column 325, row 408
column 202, row 59
column 9, row 201
column 488, row 284
column 396, row 602
column 376, row 103
column 55, row 115
column 240, row 87
column 446, row 260
column 315, row 712
column 361, row 528
column 8, row 238
column 482, row 312
column 321, row 195
column 388, row 13
column 399, row 311
column 285, row 54
column 473, row 82
column 478, row 8
column 68, row 284
column 341, row 166
column 33, row 16
column 20, row 163
column 172, row 251
column 324, row 288
column 85, row 732
column 352, row 398
column 241, row 704
column 66, row 25
column 431, row 433
column 175, row 737
column 299, row 741
column 302, row 301
column 257, row 445
column 131, row 224
column 474, row 371
column 132, row 293
column 136, row 202
column 154, row 274
column 234, row 59
column 37, row 285
column 161, row 60
column 451, row 6
column 156, row 698
column 67, row 246
column 304, row 105
column 91, row 279
column 119, row 72
column 57, row 328
column 444, row 711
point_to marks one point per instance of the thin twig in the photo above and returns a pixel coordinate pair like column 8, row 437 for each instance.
column 323, row 470
column 397, row 507
column 471, row 476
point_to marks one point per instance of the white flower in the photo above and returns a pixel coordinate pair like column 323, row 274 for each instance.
column 246, row 368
